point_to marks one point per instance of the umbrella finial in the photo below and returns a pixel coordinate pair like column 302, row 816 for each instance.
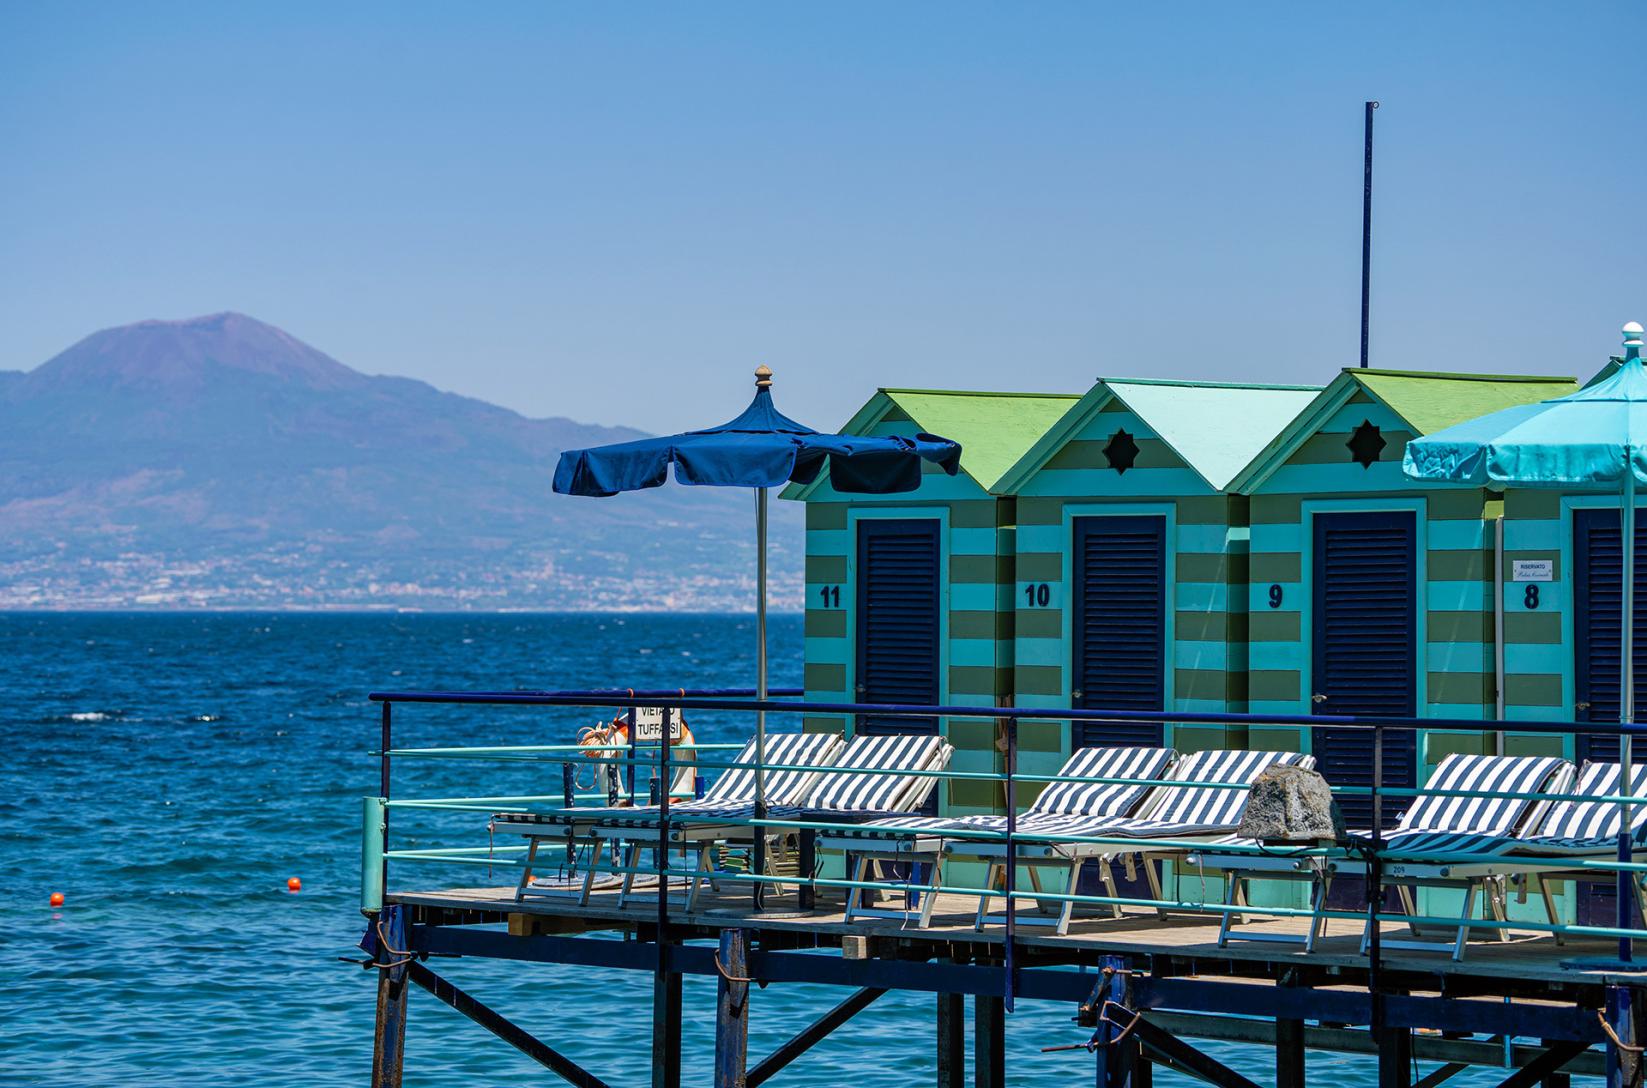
column 763, row 377
column 1632, row 340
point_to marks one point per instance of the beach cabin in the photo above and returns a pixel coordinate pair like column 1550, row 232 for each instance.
column 909, row 596
column 1370, row 593
column 1132, row 561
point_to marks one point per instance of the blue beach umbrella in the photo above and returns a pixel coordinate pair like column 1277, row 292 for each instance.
column 761, row 449
column 1593, row 439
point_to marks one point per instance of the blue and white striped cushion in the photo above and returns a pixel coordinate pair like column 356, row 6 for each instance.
column 1588, row 816
column 893, row 828
column 840, row 792
column 1418, row 841
column 680, row 812
column 726, row 786
column 1188, row 807
column 1101, row 798
column 813, row 750
column 1480, row 815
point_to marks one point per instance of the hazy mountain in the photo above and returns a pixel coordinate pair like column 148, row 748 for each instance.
column 221, row 461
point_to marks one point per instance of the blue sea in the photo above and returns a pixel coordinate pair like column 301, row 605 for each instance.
column 168, row 773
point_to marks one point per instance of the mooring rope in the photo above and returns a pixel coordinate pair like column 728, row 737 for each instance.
column 383, row 942
column 1613, row 1035
column 721, row 970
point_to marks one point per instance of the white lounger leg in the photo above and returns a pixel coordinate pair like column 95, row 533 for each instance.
column 700, row 862
column 983, row 897
column 526, row 870
column 1470, row 893
column 631, row 862
column 929, row 897
column 589, row 872
column 1549, row 906
column 1154, row 878
column 1406, row 895
column 854, row 895
column 1318, row 904
column 1232, row 884
column 1106, row 875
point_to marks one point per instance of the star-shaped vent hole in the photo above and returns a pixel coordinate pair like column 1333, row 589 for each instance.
column 1121, row 451
column 1366, row 444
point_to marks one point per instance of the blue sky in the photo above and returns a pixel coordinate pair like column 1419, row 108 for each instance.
column 614, row 212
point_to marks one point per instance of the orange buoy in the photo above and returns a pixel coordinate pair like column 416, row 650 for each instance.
column 57, row 899
column 293, row 884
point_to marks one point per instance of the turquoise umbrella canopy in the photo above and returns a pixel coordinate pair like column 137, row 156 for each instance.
column 1578, row 441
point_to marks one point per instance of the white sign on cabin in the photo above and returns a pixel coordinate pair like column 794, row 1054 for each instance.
column 1533, row 570
column 649, row 725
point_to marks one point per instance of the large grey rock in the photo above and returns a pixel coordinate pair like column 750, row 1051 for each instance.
column 1291, row 804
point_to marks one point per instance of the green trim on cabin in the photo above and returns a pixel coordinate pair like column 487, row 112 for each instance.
column 1532, row 628
column 825, row 515
column 825, row 568
column 820, row 623
column 1445, row 627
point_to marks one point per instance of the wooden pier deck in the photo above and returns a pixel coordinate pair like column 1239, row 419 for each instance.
column 1527, row 957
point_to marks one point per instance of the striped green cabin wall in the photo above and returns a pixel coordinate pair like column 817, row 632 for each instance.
column 1539, row 648
column 1455, row 557
column 976, row 663
column 1206, row 569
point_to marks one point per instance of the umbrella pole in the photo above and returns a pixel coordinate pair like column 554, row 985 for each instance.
column 758, row 851
column 1627, row 701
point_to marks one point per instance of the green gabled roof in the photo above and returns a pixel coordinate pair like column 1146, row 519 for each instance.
column 1428, row 401
column 994, row 429
column 1215, row 427
column 1433, row 401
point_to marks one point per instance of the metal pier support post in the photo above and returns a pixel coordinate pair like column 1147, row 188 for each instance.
column 1289, row 1047
column 1117, row 1054
column 988, row 1042
column 389, row 1038
column 666, row 1030
column 1395, row 1057
column 732, row 1010
column 951, row 1041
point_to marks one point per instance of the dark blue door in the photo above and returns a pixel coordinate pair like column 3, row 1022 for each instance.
column 1598, row 609
column 1119, row 625
column 898, row 595
column 1365, row 653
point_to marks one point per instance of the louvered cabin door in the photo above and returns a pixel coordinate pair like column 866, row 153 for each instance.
column 898, row 591
column 1119, row 626
column 1365, row 654
column 1598, row 586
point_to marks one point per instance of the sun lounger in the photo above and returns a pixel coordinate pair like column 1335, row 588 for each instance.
column 1438, row 821
column 916, row 839
column 904, row 767
column 732, row 791
column 1205, row 800
column 1582, row 826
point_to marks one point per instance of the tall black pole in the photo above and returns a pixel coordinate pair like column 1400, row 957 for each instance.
column 1366, row 234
